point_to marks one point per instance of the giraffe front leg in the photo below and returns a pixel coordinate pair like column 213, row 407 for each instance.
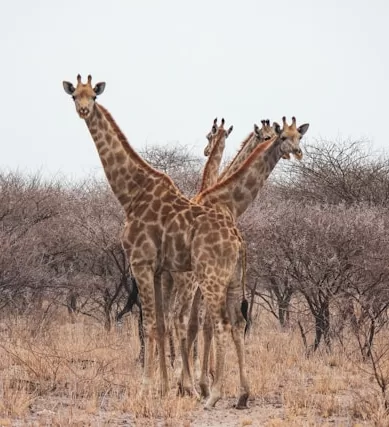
column 149, row 352
column 144, row 276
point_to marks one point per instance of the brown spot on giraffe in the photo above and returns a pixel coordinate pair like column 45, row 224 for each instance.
column 120, row 158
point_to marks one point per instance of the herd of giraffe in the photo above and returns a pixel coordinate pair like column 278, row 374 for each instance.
column 185, row 252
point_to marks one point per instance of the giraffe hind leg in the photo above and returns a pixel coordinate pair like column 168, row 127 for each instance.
column 186, row 287
column 207, row 342
column 238, row 325
column 193, row 328
column 215, row 297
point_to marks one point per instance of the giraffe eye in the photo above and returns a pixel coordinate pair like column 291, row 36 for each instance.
column 94, row 98
column 74, row 98
column 267, row 138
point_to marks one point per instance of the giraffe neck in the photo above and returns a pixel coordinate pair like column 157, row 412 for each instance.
column 244, row 152
column 211, row 169
column 127, row 173
column 238, row 191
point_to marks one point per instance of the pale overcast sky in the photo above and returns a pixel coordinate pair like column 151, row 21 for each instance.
column 172, row 66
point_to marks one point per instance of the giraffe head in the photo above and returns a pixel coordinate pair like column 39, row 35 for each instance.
column 266, row 132
column 84, row 95
column 290, row 137
column 215, row 134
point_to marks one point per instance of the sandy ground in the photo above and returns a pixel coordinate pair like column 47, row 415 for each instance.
column 271, row 414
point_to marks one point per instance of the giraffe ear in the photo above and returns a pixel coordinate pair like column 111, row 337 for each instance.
column 229, row 130
column 99, row 88
column 68, row 87
column 303, row 128
column 277, row 128
column 256, row 130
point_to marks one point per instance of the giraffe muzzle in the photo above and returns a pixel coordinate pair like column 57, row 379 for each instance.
column 298, row 154
column 83, row 112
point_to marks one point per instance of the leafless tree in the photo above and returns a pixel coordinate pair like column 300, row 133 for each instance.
column 178, row 162
column 338, row 172
column 316, row 251
column 26, row 205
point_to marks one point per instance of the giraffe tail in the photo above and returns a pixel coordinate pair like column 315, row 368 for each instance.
column 244, row 307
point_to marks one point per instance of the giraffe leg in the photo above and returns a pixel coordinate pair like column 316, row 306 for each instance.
column 184, row 298
column 196, row 360
column 216, row 299
column 238, row 324
column 169, row 296
column 161, row 334
column 207, row 335
column 237, row 336
column 193, row 328
column 145, row 279
column 211, row 371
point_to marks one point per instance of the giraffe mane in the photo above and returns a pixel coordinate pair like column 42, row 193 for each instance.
column 261, row 148
column 126, row 145
column 242, row 145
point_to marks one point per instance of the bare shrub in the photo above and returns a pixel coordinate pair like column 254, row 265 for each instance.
column 338, row 172
column 179, row 163
column 26, row 205
column 319, row 252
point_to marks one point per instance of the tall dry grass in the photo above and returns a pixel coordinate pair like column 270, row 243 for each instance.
column 79, row 374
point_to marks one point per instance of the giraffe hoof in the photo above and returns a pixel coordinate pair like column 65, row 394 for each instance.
column 184, row 390
column 242, row 401
column 204, row 390
column 211, row 402
column 180, row 390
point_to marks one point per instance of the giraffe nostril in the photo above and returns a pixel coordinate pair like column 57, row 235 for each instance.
column 84, row 111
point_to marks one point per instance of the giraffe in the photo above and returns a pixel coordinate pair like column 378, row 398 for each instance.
column 214, row 150
column 185, row 295
column 211, row 136
column 237, row 191
column 180, row 290
column 164, row 231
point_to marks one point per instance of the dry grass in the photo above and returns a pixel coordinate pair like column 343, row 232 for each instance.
column 78, row 374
